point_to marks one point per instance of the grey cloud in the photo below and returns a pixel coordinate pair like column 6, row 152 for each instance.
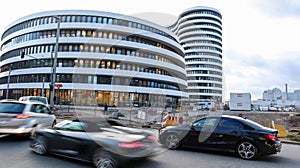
column 254, row 73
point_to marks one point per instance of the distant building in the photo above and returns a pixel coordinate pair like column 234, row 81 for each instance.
column 199, row 30
column 277, row 95
column 276, row 100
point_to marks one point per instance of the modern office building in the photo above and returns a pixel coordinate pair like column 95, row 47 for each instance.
column 102, row 58
column 200, row 33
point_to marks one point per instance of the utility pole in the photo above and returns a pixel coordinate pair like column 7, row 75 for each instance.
column 54, row 63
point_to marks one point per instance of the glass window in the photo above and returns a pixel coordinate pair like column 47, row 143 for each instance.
column 94, row 19
column 83, row 19
column 110, row 21
column 97, row 49
column 73, row 19
column 7, row 107
column 89, row 19
column 102, row 64
column 229, row 123
column 205, row 122
column 83, row 33
column 104, row 20
column 72, row 126
column 99, row 20
column 78, row 18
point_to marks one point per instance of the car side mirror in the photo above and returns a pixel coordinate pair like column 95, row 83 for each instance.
column 191, row 125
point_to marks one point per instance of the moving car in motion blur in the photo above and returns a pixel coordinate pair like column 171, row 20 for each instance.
column 22, row 117
column 102, row 141
column 223, row 133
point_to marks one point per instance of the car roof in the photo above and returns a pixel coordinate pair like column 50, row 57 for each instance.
column 21, row 102
column 223, row 116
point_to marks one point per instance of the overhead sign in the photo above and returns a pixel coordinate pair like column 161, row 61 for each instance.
column 58, row 85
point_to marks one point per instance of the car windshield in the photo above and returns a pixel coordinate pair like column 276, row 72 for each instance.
column 83, row 125
column 8, row 107
column 43, row 100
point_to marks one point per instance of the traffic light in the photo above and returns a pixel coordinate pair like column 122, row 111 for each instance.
column 22, row 54
column 50, row 86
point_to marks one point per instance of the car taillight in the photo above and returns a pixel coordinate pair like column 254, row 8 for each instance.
column 131, row 144
column 271, row 137
column 23, row 116
column 152, row 138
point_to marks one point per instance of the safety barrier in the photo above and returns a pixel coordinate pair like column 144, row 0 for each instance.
column 281, row 129
column 171, row 120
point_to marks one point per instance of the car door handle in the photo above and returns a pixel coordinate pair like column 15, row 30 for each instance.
column 221, row 135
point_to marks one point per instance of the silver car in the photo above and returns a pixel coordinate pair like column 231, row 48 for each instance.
column 21, row 117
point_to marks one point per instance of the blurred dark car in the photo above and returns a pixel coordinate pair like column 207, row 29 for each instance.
column 104, row 142
column 223, row 133
column 116, row 115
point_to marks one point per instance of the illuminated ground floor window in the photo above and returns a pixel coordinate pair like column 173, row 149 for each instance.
column 96, row 97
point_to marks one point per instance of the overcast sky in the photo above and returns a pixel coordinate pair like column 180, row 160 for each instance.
column 261, row 47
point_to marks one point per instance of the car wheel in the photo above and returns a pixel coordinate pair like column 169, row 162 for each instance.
column 39, row 145
column 247, row 150
column 104, row 159
column 172, row 141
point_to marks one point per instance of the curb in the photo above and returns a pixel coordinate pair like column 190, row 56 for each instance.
column 289, row 142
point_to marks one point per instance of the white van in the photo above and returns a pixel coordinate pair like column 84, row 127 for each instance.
column 35, row 98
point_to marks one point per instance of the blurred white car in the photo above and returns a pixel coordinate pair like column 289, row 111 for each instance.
column 22, row 117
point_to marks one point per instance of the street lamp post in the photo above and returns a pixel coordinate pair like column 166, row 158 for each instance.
column 8, row 81
column 43, row 87
column 54, row 63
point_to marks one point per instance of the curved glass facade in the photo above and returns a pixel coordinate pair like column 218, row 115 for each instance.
column 103, row 58
column 200, row 33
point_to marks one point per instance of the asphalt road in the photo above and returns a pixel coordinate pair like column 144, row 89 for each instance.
column 15, row 153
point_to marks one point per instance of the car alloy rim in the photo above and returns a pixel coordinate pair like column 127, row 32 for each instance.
column 39, row 147
column 172, row 141
column 105, row 163
column 102, row 159
column 246, row 150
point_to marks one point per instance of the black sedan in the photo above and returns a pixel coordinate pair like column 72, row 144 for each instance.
column 223, row 133
column 104, row 142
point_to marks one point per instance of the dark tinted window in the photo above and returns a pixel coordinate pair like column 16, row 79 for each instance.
column 39, row 108
column 43, row 100
column 8, row 107
column 230, row 123
column 205, row 122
